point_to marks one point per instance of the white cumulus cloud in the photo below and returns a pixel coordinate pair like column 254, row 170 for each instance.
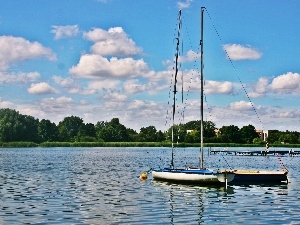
column 241, row 106
column 240, row 52
column 64, row 82
column 184, row 4
column 115, row 97
column 217, row 87
column 6, row 104
column 133, row 86
column 64, row 31
column 42, row 88
column 58, row 107
column 104, row 84
column 15, row 49
column 286, row 83
column 290, row 114
column 12, row 78
column 190, row 56
column 260, row 88
column 96, row 66
column 112, row 42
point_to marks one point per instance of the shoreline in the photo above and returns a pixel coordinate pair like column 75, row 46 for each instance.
column 132, row 144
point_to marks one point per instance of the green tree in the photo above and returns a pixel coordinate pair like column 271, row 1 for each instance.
column 192, row 125
column 99, row 125
column 108, row 134
column 29, row 131
column 289, row 137
column 17, row 127
column 230, row 134
column 86, row 132
column 178, row 131
column 47, row 131
column 132, row 134
column 112, row 131
column 258, row 141
column 192, row 137
column 248, row 133
column 208, row 128
column 273, row 136
column 148, row 134
column 69, row 127
column 160, row 136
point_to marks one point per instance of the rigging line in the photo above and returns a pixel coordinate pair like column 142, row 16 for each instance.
column 208, row 108
column 180, row 112
column 181, row 75
column 231, row 62
column 175, row 83
column 226, row 161
column 176, row 62
column 171, row 83
column 169, row 99
column 192, row 73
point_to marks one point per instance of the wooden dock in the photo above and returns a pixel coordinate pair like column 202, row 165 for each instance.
column 255, row 152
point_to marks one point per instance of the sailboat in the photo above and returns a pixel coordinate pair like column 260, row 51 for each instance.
column 199, row 175
column 260, row 176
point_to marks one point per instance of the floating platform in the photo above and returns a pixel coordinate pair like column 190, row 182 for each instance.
column 255, row 152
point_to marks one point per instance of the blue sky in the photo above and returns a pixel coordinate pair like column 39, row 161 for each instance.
column 113, row 59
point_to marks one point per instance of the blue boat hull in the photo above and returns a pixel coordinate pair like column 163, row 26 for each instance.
column 259, row 177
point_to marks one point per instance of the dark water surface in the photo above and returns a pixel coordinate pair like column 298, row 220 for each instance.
column 102, row 186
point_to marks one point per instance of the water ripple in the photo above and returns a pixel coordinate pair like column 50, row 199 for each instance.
column 101, row 186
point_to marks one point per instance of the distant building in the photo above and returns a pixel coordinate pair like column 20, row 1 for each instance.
column 263, row 134
column 266, row 135
column 217, row 132
column 260, row 134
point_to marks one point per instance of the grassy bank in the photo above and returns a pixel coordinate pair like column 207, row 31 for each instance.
column 21, row 144
column 131, row 144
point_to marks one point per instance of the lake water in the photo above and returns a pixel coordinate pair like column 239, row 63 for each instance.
column 102, row 186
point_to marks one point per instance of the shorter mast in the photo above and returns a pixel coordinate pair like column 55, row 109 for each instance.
column 175, row 83
column 201, row 93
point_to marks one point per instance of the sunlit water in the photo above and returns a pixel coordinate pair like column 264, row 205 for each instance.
column 102, row 186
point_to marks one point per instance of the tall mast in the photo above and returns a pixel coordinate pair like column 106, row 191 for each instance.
column 201, row 93
column 175, row 83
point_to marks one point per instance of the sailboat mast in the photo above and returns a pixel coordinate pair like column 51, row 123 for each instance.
column 201, row 93
column 175, row 83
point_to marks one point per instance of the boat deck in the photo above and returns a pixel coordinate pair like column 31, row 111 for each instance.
column 266, row 172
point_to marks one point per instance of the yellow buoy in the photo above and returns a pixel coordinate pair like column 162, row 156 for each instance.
column 143, row 176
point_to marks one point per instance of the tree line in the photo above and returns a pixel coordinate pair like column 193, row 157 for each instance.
column 15, row 127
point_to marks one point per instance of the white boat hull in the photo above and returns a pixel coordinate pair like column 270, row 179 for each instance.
column 185, row 176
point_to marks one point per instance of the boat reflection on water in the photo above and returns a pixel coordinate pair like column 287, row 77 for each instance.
column 216, row 188
column 192, row 204
column 275, row 189
column 186, row 203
